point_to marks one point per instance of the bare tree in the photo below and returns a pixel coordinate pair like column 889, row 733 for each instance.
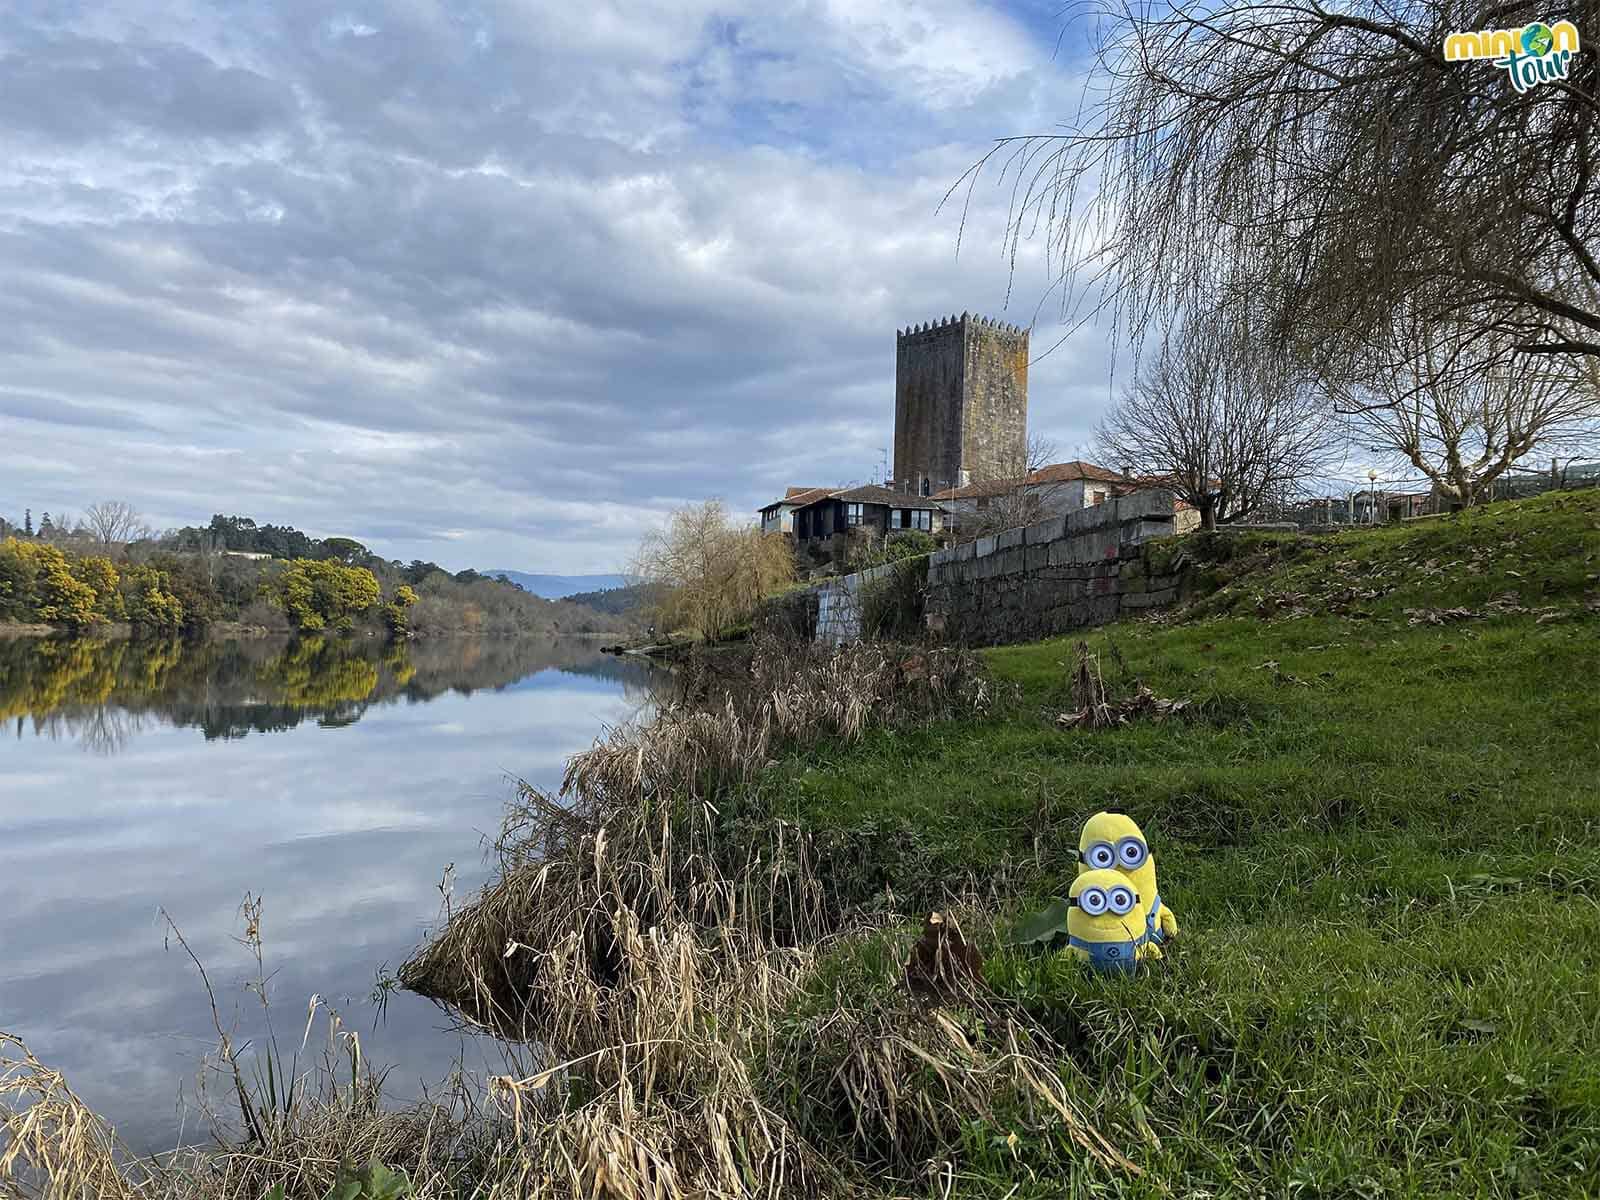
column 1223, row 423
column 711, row 573
column 1460, row 407
column 114, row 521
column 1331, row 157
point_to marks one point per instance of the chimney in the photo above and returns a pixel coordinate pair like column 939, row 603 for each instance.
column 1127, row 471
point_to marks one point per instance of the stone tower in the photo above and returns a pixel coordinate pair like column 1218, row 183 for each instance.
column 960, row 403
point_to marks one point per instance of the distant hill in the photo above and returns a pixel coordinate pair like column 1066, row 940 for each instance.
column 616, row 602
column 557, row 587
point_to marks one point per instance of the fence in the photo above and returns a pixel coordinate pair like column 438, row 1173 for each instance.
column 1402, row 499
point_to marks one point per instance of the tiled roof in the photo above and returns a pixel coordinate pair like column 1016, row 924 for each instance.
column 1054, row 473
column 1076, row 469
column 872, row 494
column 796, row 496
column 866, row 494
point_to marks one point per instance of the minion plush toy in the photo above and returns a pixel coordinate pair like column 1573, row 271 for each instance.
column 1105, row 925
column 1113, row 842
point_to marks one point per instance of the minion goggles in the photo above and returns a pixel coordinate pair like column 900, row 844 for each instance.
column 1129, row 853
column 1095, row 901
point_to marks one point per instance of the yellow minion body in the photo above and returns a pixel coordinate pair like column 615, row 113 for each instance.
column 1105, row 923
column 1114, row 842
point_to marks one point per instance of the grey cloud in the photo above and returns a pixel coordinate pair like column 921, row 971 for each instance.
column 459, row 275
column 78, row 89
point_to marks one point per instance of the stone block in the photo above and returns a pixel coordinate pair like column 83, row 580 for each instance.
column 939, row 557
column 1008, row 538
column 1141, row 600
column 1149, row 503
column 1063, row 553
column 966, row 551
column 1036, row 558
column 1011, row 560
column 1135, row 532
column 1040, row 533
column 984, row 546
column 1083, row 520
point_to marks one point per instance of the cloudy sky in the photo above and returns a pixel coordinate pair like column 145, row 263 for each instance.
column 498, row 282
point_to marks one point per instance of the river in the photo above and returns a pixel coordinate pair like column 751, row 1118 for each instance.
column 347, row 785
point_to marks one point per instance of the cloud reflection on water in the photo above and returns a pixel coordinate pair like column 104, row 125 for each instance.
column 231, row 779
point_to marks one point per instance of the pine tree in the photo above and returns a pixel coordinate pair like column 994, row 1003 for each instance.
column 27, row 521
column 46, row 529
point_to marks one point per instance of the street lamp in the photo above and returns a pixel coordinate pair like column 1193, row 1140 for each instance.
column 1372, row 495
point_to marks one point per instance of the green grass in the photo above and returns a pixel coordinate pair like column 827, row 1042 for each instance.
column 1382, row 839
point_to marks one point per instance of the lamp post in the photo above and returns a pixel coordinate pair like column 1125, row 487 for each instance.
column 1372, row 495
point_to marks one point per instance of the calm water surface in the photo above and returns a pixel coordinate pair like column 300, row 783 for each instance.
column 336, row 781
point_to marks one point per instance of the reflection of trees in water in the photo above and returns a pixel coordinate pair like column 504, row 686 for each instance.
column 102, row 693
column 644, row 685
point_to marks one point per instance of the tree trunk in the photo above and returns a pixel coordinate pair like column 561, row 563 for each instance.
column 1208, row 512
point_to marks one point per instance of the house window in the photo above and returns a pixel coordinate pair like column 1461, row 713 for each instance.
column 852, row 514
column 924, row 519
column 899, row 518
column 1099, row 498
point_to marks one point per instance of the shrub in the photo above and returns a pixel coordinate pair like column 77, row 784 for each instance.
column 151, row 604
column 892, row 607
column 53, row 594
column 320, row 593
column 397, row 613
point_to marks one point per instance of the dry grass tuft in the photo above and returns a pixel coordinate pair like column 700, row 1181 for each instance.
column 53, row 1146
column 648, row 943
column 653, row 946
column 644, row 828
column 894, row 1083
column 1094, row 710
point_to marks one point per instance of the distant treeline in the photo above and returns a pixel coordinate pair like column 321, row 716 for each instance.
column 618, row 602
column 185, row 580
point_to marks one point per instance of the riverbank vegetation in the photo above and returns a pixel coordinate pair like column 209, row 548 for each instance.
column 271, row 578
column 706, row 574
column 1371, row 818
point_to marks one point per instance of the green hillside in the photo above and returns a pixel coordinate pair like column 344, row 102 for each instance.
column 1378, row 823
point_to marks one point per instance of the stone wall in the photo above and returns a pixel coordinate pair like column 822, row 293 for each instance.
column 839, row 604
column 1065, row 572
column 1087, row 567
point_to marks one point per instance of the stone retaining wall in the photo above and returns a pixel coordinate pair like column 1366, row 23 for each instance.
column 1083, row 568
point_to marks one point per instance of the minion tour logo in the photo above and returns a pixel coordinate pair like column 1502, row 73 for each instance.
column 1532, row 55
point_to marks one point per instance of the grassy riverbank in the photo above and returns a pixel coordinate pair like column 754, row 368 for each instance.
column 1379, row 826
column 1376, row 822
